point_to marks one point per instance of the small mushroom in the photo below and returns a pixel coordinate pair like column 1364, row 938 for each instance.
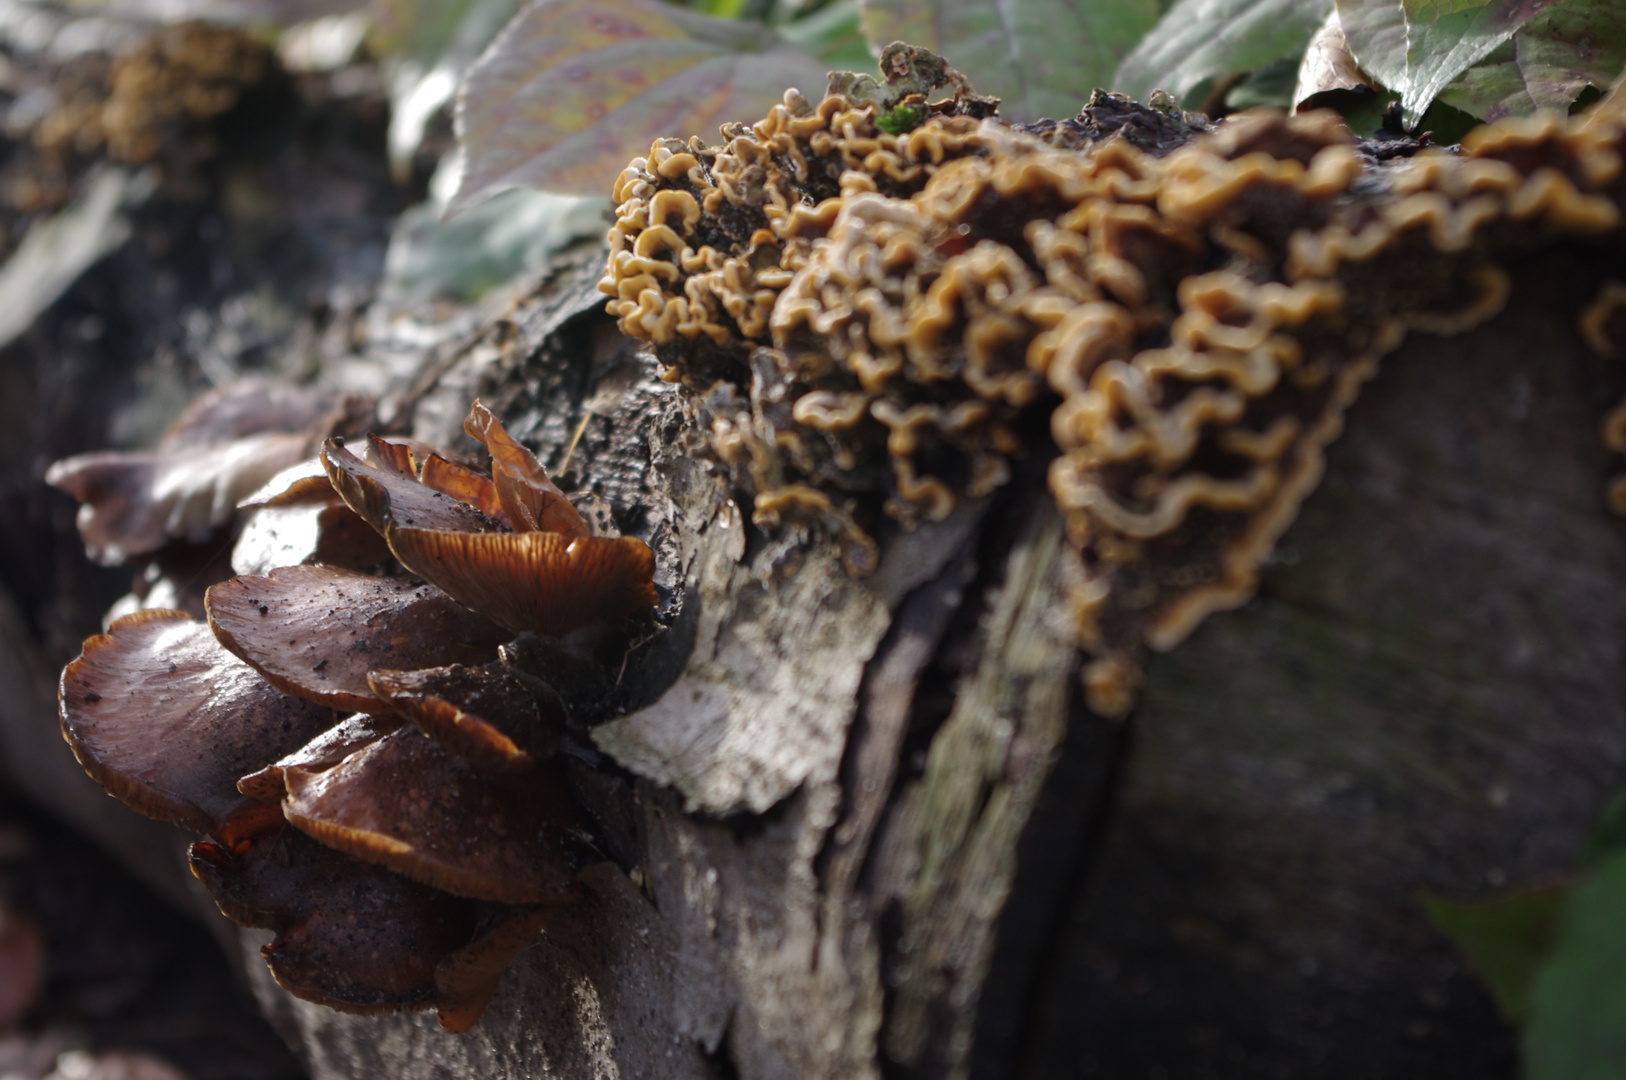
column 383, row 495
column 350, row 935
column 166, row 721
column 225, row 445
column 466, row 980
column 298, row 518
column 531, row 501
column 484, row 715
column 408, row 804
column 549, row 583
column 316, row 631
column 326, row 750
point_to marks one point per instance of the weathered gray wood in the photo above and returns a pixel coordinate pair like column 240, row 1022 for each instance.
column 1429, row 693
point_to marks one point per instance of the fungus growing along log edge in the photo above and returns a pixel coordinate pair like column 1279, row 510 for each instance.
column 402, row 854
column 876, row 320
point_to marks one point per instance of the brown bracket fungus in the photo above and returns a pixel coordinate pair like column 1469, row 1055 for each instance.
column 317, row 632
column 360, row 939
column 225, row 445
column 875, row 324
column 405, row 854
column 166, row 720
column 484, row 715
column 408, row 804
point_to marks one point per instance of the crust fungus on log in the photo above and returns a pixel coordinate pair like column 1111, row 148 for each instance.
column 873, row 322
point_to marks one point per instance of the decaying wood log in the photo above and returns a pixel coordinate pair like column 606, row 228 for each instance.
column 832, row 807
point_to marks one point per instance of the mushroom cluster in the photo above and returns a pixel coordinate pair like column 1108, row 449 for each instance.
column 368, row 738
column 877, row 318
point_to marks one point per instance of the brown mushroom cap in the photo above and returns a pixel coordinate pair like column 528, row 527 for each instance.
column 316, row 631
column 547, row 582
column 132, row 504
column 465, row 980
column 225, row 445
column 349, row 935
column 531, row 501
column 464, row 484
column 329, row 533
column 408, row 804
column 382, row 495
column 254, row 405
column 326, row 750
column 166, row 721
column 302, row 484
column 483, row 715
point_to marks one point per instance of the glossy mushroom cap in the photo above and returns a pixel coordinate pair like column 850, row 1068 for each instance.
column 227, row 444
column 323, row 752
column 408, row 804
column 316, row 631
column 166, row 720
column 383, row 495
column 349, row 935
column 544, row 582
column 531, row 502
column 484, row 715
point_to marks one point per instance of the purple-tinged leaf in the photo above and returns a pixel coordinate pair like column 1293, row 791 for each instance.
column 573, row 89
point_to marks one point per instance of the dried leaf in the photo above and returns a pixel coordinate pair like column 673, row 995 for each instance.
column 1327, row 64
column 1416, row 47
column 1039, row 57
column 572, row 89
column 1201, row 39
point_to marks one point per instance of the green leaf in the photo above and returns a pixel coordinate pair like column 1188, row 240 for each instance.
column 1039, row 57
column 1271, row 86
column 1201, row 39
column 1549, row 61
column 1505, row 940
column 1608, row 836
column 1416, row 47
column 833, row 34
column 571, row 90
column 1577, row 1025
column 503, row 237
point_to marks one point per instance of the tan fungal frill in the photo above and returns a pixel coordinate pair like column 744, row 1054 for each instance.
column 880, row 324
column 403, row 854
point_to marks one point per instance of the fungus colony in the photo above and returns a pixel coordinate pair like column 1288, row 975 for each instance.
column 371, row 755
column 881, row 300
